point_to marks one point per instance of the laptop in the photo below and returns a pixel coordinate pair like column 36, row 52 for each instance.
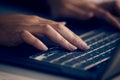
column 100, row 62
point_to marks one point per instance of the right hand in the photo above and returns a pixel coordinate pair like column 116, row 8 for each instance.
column 117, row 4
column 80, row 9
column 17, row 28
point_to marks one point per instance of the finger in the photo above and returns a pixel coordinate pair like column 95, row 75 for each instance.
column 108, row 17
column 108, row 5
column 71, row 37
column 100, row 13
column 30, row 39
column 117, row 7
column 118, row 4
column 57, row 38
column 78, row 13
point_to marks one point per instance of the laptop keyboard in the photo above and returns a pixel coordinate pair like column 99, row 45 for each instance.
column 101, row 43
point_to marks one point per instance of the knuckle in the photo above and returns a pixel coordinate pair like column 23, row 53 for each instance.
column 58, row 26
column 30, row 19
column 35, row 17
column 92, row 6
column 23, row 32
column 85, row 17
column 46, row 28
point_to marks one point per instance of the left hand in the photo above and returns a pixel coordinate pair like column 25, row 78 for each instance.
column 18, row 28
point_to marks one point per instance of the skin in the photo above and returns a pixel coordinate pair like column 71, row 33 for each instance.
column 117, row 6
column 18, row 28
column 80, row 9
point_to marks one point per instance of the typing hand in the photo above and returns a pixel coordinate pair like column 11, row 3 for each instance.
column 81, row 9
column 17, row 28
column 111, row 5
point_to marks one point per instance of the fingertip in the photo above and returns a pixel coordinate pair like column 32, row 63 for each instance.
column 45, row 48
column 85, row 46
column 72, row 48
column 42, row 47
column 63, row 23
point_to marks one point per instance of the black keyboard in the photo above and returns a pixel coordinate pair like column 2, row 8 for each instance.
column 101, row 43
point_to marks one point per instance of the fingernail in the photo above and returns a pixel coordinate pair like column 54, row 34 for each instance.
column 85, row 46
column 45, row 49
column 72, row 48
column 64, row 23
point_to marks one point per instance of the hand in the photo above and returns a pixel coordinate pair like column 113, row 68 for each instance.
column 16, row 29
column 113, row 5
column 80, row 9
